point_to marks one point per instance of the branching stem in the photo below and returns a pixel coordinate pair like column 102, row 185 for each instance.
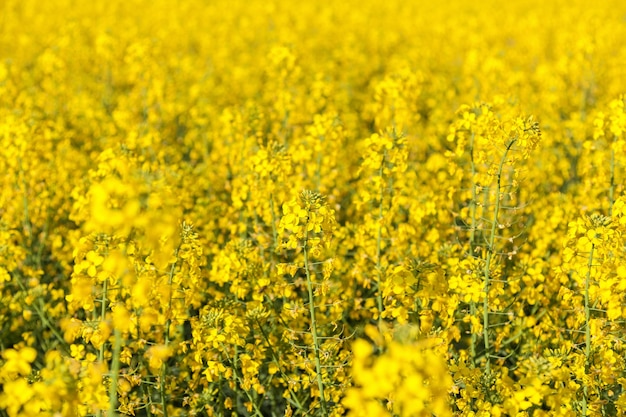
column 491, row 252
column 316, row 344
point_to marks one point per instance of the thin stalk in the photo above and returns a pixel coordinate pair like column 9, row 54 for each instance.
column 40, row 310
column 103, row 309
column 612, row 185
column 316, row 344
column 473, row 240
column 285, row 132
column 27, row 226
column 274, row 231
column 486, row 315
column 115, row 371
column 235, row 361
column 244, row 233
column 149, row 389
column 490, row 254
column 294, row 398
column 318, row 168
column 473, row 311
column 253, row 402
column 474, row 198
column 168, row 324
column 587, row 327
column 42, row 241
column 145, row 393
column 379, row 238
column 26, row 223
column 162, row 388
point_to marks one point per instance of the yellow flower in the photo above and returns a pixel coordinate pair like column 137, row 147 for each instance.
column 157, row 355
column 18, row 362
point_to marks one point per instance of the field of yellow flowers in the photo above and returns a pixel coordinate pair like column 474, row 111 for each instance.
column 278, row 208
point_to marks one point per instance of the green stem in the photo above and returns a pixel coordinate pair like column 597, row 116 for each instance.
column 162, row 390
column 486, row 315
column 103, row 308
column 239, row 379
column 168, row 324
column 115, row 371
column 318, row 168
column 316, row 344
column 148, row 385
column 474, row 198
column 473, row 227
column 40, row 310
column 145, row 393
column 490, row 254
column 274, row 231
column 26, row 223
column 235, row 361
column 612, row 185
column 294, row 398
column 42, row 241
column 41, row 313
column 379, row 272
column 587, row 327
column 473, row 311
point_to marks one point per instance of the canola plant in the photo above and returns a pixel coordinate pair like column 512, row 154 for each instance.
column 279, row 208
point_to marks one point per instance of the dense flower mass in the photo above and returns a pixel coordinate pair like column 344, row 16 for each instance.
column 279, row 208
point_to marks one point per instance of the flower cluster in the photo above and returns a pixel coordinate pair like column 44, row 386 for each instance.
column 458, row 248
column 407, row 378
